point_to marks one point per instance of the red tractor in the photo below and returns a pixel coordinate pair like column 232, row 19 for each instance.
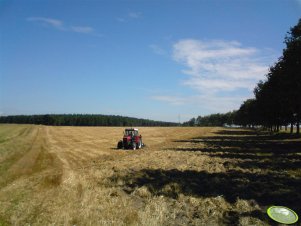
column 131, row 140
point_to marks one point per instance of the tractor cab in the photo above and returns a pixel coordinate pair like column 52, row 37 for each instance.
column 131, row 132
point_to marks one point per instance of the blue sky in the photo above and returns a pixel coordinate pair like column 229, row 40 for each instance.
column 147, row 59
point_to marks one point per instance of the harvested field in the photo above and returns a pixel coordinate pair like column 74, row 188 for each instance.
column 184, row 176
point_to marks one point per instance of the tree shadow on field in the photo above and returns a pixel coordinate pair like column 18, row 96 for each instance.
column 266, row 189
column 263, row 134
column 258, row 151
column 237, row 132
column 275, row 158
column 230, row 185
column 246, row 144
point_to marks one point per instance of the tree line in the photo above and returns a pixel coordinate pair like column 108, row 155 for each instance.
column 218, row 119
column 82, row 120
column 277, row 100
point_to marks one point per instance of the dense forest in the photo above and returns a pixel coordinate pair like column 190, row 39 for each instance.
column 277, row 100
column 82, row 120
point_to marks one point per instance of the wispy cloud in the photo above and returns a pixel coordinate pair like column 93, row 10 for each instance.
column 121, row 19
column 206, row 102
column 58, row 24
column 173, row 100
column 135, row 15
column 217, row 69
column 157, row 49
column 129, row 16
column 85, row 30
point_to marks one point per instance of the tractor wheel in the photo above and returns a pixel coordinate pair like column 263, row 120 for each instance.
column 120, row 145
column 134, row 146
column 139, row 145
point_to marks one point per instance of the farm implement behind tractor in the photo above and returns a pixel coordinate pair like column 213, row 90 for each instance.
column 131, row 140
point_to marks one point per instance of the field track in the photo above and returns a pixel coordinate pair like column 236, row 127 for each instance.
column 184, row 176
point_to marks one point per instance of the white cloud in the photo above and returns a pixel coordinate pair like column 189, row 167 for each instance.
column 85, row 30
column 218, row 65
column 219, row 60
column 218, row 71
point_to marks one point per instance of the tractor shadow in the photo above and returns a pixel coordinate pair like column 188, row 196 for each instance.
column 273, row 156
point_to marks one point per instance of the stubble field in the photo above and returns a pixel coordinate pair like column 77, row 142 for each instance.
column 184, row 176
